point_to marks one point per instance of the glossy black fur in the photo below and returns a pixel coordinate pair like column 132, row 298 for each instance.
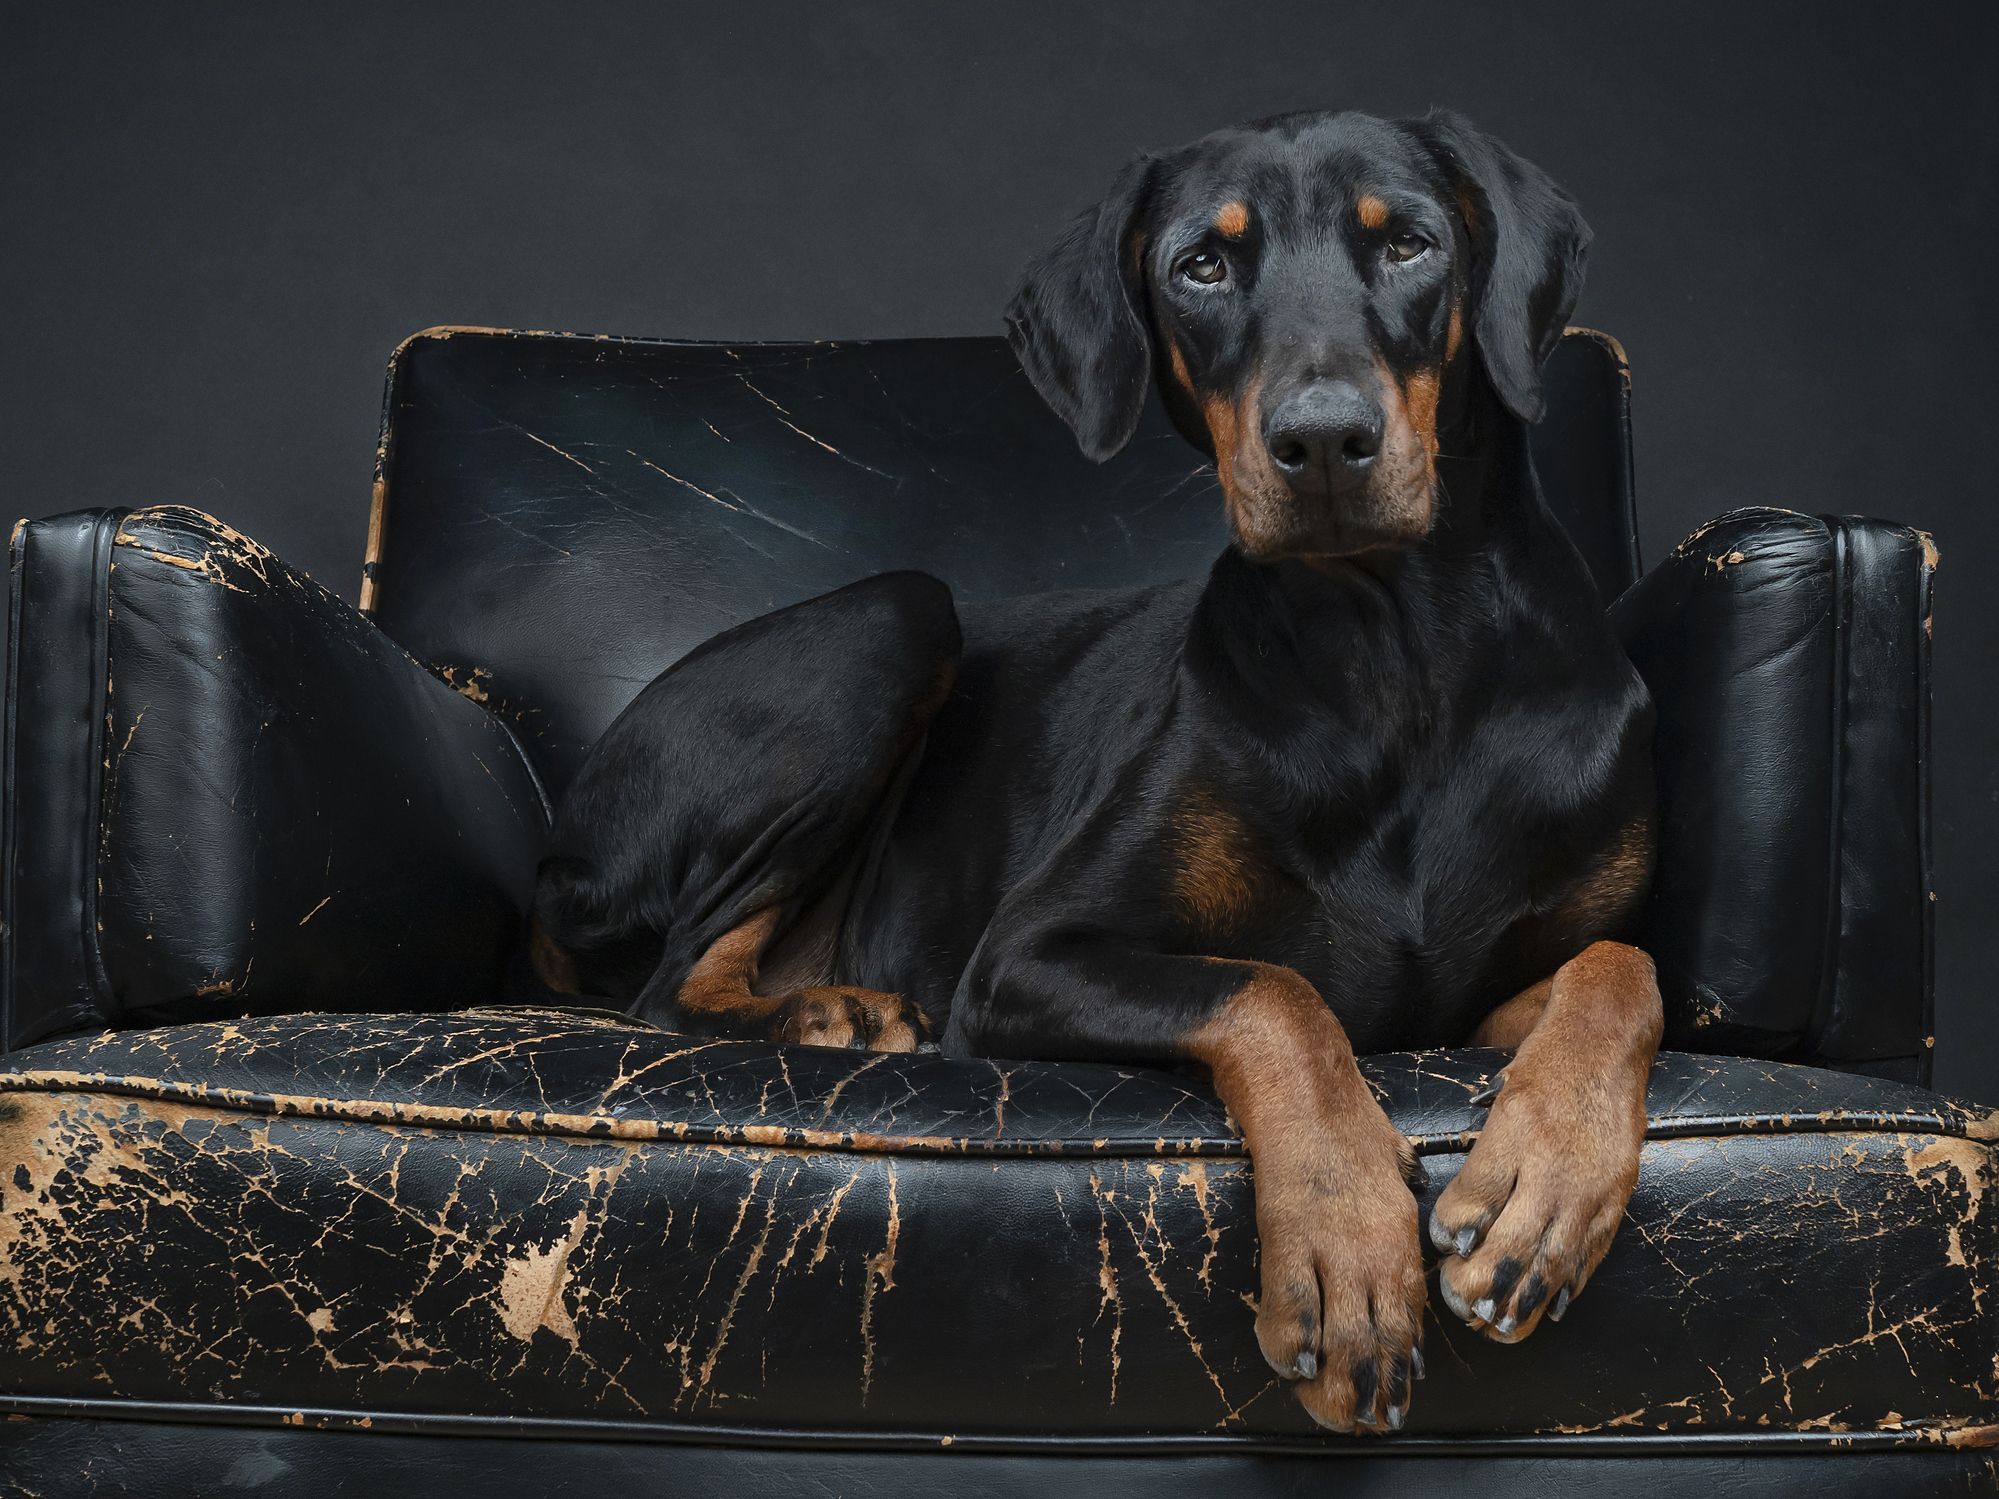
column 1429, row 744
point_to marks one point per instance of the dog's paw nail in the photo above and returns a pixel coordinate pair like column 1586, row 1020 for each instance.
column 1394, row 1418
column 1561, row 1304
column 1452, row 1299
column 1484, row 1309
column 1306, row 1365
column 1488, row 1093
column 1506, row 1324
column 1416, row 1363
column 1440, row 1237
column 1467, row 1241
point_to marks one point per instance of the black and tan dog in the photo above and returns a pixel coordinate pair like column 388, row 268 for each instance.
column 1381, row 780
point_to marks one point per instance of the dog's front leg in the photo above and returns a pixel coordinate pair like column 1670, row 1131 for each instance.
column 1342, row 1281
column 1532, row 1213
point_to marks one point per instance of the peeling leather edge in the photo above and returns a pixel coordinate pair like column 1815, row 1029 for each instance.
column 1576, row 1444
column 412, row 1115
column 191, row 522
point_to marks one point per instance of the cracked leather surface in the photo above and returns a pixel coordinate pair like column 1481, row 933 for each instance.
column 553, row 1214
column 256, row 801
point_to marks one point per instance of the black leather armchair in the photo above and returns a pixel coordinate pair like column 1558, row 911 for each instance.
column 292, row 1197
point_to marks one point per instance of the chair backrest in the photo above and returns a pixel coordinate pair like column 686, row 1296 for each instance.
column 559, row 518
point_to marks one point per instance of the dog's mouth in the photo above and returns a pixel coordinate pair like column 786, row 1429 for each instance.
column 1273, row 520
column 1276, row 526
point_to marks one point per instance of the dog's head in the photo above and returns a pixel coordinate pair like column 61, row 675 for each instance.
column 1304, row 290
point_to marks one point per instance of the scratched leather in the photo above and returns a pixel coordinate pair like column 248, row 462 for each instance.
column 563, row 517
column 545, row 1213
column 1788, row 657
column 534, row 487
column 288, row 810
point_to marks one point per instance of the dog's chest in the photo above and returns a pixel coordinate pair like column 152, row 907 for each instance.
column 1418, row 917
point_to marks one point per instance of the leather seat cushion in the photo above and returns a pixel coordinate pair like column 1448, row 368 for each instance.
column 563, row 1217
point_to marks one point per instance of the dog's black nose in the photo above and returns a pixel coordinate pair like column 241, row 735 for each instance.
column 1325, row 435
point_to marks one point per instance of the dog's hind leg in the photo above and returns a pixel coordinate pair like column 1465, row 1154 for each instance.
column 723, row 985
column 728, row 801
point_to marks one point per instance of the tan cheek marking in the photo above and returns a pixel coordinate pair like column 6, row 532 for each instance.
column 1409, row 410
column 1419, row 399
column 1222, row 432
column 1179, row 363
column 1228, row 425
column 1232, row 218
column 1455, row 336
column 1371, row 211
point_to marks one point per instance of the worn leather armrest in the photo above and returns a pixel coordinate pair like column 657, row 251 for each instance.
column 229, row 793
column 1791, row 915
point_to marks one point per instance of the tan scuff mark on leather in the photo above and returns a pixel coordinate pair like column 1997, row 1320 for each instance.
column 1974, row 1437
column 1109, row 1298
column 750, row 1265
column 227, row 554
column 1936, row 1161
column 1194, row 1176
column 532, row 1286
column 371, row 556
column 821, row 1218
column 772, row 1137
column 1153, row 1253
column 1931, row 556
column 1687, row 544
column 832, row 1211
column 879, row 1275
column 473, row 684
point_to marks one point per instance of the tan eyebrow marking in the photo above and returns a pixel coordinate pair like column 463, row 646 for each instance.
column 1232, row 218
column 1373, row 213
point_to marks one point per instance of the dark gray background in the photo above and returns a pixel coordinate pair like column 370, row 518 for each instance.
column 215, row 222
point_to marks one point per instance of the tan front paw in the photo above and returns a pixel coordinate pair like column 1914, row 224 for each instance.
column 1531, row 1215
column 1341, row 1312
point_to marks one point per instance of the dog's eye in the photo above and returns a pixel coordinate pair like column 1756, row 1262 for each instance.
column 1404, row 248
column 1204, row 268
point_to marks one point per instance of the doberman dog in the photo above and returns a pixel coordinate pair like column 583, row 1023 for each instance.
column 1382, row 779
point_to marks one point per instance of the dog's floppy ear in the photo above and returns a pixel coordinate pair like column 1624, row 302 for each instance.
column 1077, row 324
column 1529, row 243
